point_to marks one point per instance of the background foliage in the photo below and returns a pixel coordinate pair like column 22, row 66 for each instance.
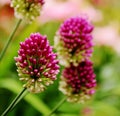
column 106, row 58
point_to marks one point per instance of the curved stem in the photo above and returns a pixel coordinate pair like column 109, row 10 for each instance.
column 57, row 106
column 14, row 102
column 9, row 39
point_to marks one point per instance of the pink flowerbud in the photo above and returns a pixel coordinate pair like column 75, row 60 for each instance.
column 73, row 41
column 35, row 68
column 78, row 82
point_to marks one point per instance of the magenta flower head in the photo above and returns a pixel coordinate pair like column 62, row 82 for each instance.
column 78, row 82
column 73, row 41
column 37, row 64
column 27, row 9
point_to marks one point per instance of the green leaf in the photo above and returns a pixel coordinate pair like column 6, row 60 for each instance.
column 33, row 100
column 104, row 109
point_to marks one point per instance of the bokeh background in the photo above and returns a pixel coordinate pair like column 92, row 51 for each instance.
column 105, row 15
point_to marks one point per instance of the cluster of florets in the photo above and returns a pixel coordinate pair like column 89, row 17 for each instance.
column 78, row 82
column 27, row 9
column 36, row 62
column 73, row 41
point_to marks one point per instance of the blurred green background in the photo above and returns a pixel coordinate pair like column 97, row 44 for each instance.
column 104, row 14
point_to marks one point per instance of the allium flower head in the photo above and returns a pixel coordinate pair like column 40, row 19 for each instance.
column 78, row 82
column 73, row 40
column 36, row 63
column 27, row 9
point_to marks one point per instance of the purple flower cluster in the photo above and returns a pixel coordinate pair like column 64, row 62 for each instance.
column 79, row 81
column 73, row 41
column 81, row 76
column 37, row 64
column 27, row 9
column 76, row 34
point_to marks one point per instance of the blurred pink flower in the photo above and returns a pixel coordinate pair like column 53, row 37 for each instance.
column 3, row 2
column 93, row 14
column 117, row 46
column 6, row 17
column 61, row 10
column 105, row 35
column 87, row 111
column 99, row 2
column 104, row 3
column 108, row 35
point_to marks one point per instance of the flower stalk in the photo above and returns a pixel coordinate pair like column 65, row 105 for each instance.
column 15, row 102
column 57, row 106
column 10, row 39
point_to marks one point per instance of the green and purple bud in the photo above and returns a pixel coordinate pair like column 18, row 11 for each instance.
column 73, row 41
column 78, row 82
column 27, row 9
column 37, row 64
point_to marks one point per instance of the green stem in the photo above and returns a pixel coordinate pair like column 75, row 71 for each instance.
column 14, row 102
column 20, row 98
column 9, row 39
column 57, row 106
